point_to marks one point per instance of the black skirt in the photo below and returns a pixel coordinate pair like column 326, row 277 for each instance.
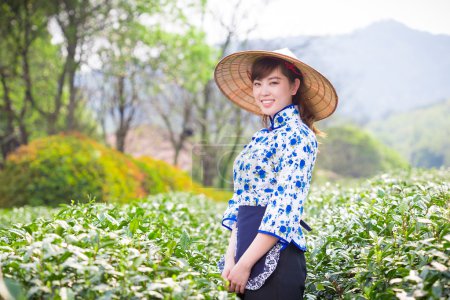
column 286, row 282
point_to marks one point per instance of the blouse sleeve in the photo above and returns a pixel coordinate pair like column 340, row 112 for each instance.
column 293, row 173
column 230, row 216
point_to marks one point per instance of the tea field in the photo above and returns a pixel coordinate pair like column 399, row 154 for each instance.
column 387, row 238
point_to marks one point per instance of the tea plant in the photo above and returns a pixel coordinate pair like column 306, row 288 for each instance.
column 164, row 247
column 24, row 214
column 388, row 238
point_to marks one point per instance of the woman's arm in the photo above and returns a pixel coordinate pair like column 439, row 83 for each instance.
column 260, row 246
column 231, row 251
column 238, row 276
column 230, row 254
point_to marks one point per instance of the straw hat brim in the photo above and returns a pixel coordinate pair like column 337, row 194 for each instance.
column 231, row 76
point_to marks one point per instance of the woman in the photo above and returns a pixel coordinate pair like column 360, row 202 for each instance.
column 272, row 174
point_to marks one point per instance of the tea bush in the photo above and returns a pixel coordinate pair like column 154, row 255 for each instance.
column 386, row 239
column 160, row 248
column 24, row 214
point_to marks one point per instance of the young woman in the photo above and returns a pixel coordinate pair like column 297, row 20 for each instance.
column 265, row 257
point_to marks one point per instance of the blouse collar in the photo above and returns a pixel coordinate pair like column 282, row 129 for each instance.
column 285, row 115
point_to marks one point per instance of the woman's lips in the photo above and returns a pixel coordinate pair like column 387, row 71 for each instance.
column 267, row 102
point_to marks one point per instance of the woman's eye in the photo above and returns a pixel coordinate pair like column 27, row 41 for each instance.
column 256, row 84
column 274, row 82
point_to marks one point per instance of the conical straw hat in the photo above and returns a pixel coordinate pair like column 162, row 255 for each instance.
column 231, row 76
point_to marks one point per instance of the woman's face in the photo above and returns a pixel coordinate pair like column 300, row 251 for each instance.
column 274, row 92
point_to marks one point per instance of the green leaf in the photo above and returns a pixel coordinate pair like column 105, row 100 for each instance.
column 134, row 225
column 185, row 240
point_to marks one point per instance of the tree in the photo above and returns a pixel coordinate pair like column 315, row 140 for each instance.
column 217, row 117
column 79, row 21
column 185, row 66
column 23, row 24
column 120, row 70
column 137, row 61
column 352, row 152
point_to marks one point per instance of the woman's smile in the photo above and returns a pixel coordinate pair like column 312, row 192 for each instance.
column 273, row 92
column 267, row 102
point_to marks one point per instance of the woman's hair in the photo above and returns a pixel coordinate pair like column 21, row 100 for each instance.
column 263, row 66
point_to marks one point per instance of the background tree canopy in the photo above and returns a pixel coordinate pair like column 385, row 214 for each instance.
column 103, row 68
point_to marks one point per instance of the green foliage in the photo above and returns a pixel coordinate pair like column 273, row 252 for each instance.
column 44, row 61
column 388, row 238
column 163, row 247
column 421, row 135
column 187, row 59
column 352, row 152
column 62, row 167
column 24, row 214
column 162, row 177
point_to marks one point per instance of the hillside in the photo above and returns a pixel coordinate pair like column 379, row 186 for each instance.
column 349, row 151
column 421, row 135
column 364, row 155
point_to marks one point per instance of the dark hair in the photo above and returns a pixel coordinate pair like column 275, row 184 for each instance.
column 263, row 66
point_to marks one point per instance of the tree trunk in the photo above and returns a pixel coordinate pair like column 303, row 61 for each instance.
column 208, row 160
column 124, row 122
column 228, row 161
column 23, row 133
column 9, row 142
column 72, row 68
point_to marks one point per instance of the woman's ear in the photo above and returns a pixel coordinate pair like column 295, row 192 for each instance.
column 295, row 86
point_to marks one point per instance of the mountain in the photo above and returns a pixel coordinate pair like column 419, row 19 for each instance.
column 421, row 135
column 378, row 70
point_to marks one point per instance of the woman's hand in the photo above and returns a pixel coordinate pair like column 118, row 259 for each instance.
column 239, row 274
column 229, row 257
column 229, row 264
column 238, row 277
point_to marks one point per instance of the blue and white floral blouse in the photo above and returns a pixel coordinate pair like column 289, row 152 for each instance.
column 275, row 170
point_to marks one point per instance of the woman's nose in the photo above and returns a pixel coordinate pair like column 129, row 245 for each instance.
column 264, row 89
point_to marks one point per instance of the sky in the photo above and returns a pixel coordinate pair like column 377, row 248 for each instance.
column 281, row 18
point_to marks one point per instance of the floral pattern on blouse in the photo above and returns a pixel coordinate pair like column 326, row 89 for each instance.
column 274, row 169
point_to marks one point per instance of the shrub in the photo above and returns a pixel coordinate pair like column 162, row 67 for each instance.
column 161, row 177
column 59, row 168
column 62, row 167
